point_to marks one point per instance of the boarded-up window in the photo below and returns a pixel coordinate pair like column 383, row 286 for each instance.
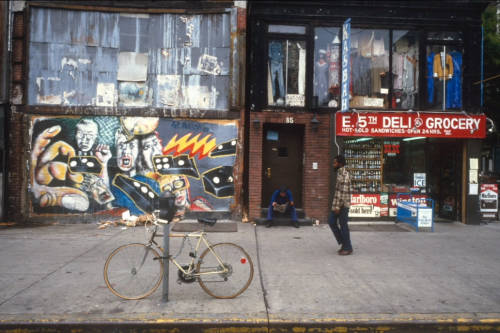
column 112, row 59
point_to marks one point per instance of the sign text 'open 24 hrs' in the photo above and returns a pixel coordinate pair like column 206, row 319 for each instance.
column 410, row 124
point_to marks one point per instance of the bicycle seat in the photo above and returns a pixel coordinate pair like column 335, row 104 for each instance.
column 207, row 221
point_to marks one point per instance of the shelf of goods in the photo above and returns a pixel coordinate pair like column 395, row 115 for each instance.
column 364, row 162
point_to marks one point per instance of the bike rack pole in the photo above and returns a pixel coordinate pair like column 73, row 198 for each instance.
column 166, row 244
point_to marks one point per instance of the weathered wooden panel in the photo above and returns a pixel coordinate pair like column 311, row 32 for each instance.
column 74, row 59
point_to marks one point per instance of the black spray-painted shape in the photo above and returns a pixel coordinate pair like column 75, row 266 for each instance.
column 143, row 196
column 85, row 164
column 179, row 165
column 219, row 181
column 225, row 149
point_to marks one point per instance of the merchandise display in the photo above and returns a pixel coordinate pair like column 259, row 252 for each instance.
column 364, row 162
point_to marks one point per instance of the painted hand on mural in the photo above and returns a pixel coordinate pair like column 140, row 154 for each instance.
column 103, row 153
column 46, row 167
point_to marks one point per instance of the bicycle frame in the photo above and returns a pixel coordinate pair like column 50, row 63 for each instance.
column 200, row 235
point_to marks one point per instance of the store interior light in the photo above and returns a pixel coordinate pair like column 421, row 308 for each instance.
column 414, row 138
column 360, row 140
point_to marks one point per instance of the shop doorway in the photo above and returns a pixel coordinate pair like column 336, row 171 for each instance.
column 445, row 170
column 282, row 154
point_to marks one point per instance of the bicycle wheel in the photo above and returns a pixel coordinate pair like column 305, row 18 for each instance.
column 231, row 283
column 131, row 271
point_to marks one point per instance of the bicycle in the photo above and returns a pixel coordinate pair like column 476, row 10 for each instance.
column 134, row 271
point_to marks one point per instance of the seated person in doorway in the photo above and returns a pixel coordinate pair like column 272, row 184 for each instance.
column 282, row 202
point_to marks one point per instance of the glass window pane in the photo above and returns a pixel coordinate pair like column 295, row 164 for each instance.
column 444, row 79
column 443, row 35
column 286, row 73
column 404, row 69
column 287, row 29
column 369, row 68
column 327, row 46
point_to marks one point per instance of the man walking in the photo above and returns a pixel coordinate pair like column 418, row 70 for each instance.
column 340, row 207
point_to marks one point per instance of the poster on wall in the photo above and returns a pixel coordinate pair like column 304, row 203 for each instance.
column 365, row 205
column 393, row 201
column 114, row 164
column 488, row 200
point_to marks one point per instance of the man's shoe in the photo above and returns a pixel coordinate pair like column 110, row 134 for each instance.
column 269, row 223
column 345, row 252
column 295, row 224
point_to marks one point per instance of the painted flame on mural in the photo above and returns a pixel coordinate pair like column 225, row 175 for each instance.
column 193, row 144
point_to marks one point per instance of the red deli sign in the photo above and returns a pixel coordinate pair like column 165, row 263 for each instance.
column 410, row 124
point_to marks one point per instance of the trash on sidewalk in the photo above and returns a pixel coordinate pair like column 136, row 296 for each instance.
column 127, row 220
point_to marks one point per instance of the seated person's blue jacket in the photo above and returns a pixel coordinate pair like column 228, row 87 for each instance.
column 276, row 197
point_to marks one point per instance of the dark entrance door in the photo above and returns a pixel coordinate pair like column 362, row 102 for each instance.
column 282, row 160
column 446, row 175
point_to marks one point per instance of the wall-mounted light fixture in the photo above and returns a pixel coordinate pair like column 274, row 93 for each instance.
column 256, row 124
column 315, row 123
column 490, row 125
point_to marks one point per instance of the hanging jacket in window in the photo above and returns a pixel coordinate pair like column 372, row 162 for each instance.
column 440, row 71
column 430, row 78
column 454, row 85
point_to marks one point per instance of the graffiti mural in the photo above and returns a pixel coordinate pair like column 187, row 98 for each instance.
column 98, row 164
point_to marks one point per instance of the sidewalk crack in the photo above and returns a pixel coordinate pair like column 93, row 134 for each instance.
column 264, row 290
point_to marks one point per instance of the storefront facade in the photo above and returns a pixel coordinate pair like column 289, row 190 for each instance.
column 113, row 106
column 413, row 120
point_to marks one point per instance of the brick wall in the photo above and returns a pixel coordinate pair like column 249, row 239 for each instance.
column 315, row 188
column 16, row 173
column 16, row 140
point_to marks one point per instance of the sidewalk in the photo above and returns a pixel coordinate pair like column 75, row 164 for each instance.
column 53, row 274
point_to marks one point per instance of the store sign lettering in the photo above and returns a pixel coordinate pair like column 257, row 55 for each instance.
column 398, row 124
column 365, row 205
column 391, row 149
column 346, row 49
column 393, row 201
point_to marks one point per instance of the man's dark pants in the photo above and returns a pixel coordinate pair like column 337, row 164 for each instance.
column 341, row 234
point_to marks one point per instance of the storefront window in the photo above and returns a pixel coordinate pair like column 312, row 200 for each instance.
column 327, row 66
column 444, row 77
column 404, row 69
column 402, row 159
column 286, row 72
column 369, row 68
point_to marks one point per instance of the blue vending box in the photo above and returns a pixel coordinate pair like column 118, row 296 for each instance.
column 415, row 212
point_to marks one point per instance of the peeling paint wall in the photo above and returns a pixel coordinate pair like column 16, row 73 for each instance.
column 112, row 59
column 96, row 164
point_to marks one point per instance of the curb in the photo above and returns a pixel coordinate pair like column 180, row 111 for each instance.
column 343, row 323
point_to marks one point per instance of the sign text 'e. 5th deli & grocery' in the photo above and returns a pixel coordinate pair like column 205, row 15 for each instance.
column 410, row 124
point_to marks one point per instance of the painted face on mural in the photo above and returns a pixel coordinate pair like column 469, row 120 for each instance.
column 178, row 185
column 86, row 135
column 126, row 153
column 150, row 146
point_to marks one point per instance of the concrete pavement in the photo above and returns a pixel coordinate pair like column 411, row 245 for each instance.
column 51, row 276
